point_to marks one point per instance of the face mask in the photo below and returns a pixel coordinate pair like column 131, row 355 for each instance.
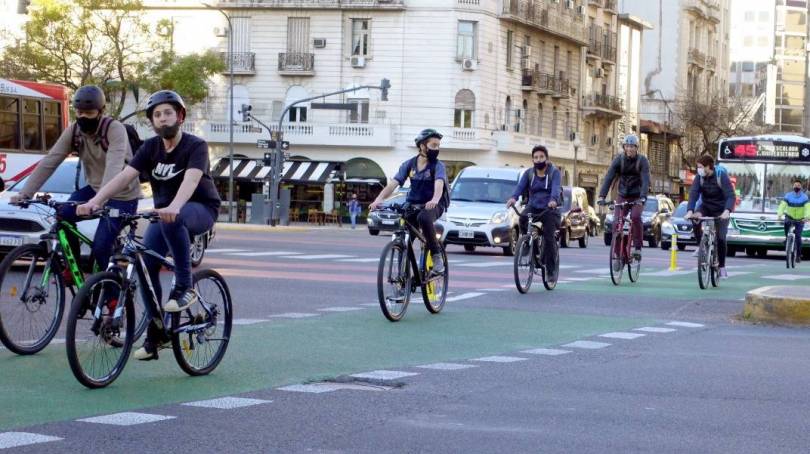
column 88, row 125
column 701, row 172
column 432, row 155
column 797, row 190
column 540, row 165
column 168, row 132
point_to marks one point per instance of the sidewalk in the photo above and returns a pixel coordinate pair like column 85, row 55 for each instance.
column 293, row 227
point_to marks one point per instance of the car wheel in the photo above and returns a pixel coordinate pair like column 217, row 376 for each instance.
column 198, row 250
column 565, row 238
column 653, row 241
column 665, row 245
column 373, row 232
column 509, row 251
column 762, row 252
column 469, row 247
column 681, row 247
column 583, row 242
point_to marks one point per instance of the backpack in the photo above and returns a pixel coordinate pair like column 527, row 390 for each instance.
column 527, row 192
column 135, row 143
column 445, row 200
column 638, row 164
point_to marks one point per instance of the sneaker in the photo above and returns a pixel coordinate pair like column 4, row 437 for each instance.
column 637, row 254
column 723, row 273
column 438, row 265
column 180, row 299
column 149, row 350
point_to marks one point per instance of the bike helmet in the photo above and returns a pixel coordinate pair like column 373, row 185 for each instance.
column 164, row 97
column 89, row 97
column 630, row 139
column 425, row 135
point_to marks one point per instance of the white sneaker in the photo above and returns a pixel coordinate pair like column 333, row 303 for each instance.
column 180, row 300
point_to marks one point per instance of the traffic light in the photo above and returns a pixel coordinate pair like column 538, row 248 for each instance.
column 268, row 159
column 246, row 108
column 385, row 84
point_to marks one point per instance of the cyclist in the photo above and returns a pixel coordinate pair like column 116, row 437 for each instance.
column 633, row 172
column 185, row 199
column 717, row 198
column 101, row 162
column 795, row 210
column 429, row 187
column 543, row 184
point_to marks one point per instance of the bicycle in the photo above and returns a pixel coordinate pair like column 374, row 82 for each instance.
column 99, row 339
column 708, row 261
column 34, row 277
column 400, row 270
column 620, row 253
column 792, row 252
column 529, row 254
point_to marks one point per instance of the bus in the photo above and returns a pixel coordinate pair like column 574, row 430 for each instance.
column 32, row 117
column 762, row 170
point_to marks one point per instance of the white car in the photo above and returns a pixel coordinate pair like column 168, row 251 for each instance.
column 26, row 225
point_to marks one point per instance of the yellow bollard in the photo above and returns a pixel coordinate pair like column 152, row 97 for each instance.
column 673, row 255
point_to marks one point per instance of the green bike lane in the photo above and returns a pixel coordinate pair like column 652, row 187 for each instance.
column 40, row 389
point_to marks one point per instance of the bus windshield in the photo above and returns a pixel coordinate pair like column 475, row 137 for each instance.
column 760, row 187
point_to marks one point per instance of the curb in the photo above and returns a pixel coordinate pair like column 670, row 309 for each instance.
column 780, row 304
column 234, row 227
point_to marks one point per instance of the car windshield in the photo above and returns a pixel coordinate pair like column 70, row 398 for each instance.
column 483, row 190
column 63, row 180
column 681, row 210
column 651, row 206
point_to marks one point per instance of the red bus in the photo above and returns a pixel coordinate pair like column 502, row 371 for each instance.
column 32, row 116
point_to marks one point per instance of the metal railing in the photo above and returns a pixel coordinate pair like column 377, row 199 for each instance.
column 697, row 57
column 243, row 62
column 553, row 19
column 606, row 102
column 296, row 62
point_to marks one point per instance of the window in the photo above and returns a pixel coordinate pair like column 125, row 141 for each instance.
column 509, row 45
column 298, row 114
column 32, row 131
column 569, row 60
column 465, row 107
column 749, row 16
column 360, row 37
column 359, row 115
column 554, row 123
column 9, row 123
column 466, row 46
column 53, row 125
column 540, row 119
column 556, row 59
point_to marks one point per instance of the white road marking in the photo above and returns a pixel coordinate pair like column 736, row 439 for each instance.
column 651, row 329
column 464, row 296
column 785, row 277
column 318, row 388
column 227, row 403
column 500, row 359
column 341, row 309
column 371, row 304
column 546, row 351
column 622, row 335
column 219, row 251
column 17, row 439
column 738, row 273
column 491, row 290
column 322, row 257
column 384, row 374
column 367, row 260
column 568, row 267
column 126, row 419
column 594, row 271
column 485, row 264
column 686, row 324
column 669, row 273
column 264, row 254
column 294, row 315
column 446, row 366
column 587, row 345
column 248, row 321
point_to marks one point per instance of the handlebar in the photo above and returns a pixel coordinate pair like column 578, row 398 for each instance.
column 402, row 208
column 540, row 214
column 44, row 201
column 614, row 204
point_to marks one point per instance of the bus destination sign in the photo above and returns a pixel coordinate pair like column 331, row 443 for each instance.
column 765, row 150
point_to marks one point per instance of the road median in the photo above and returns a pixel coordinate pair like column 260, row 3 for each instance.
column 779, row 304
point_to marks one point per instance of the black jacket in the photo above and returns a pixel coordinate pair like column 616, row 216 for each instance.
column 633, row 174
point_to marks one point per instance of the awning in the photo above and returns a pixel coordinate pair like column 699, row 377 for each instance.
column 305, row 172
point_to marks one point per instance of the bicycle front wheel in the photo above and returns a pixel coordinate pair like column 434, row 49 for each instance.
column 524, row 264
column 100, row 329
column 790, row 252
column 704, row 264
column 201, row 333
column 32, row 300
column 616, row 261
column 394, row 281
column 434, row 291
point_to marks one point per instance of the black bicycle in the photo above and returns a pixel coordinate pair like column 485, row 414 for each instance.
column 400, row 273
column 529, row 256
column 101, row 328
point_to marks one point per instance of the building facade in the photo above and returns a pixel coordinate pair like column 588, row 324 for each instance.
column 787, row 95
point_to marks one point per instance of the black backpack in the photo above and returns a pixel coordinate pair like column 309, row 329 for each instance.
column 638, row 164
column 135, row 143
column 445, row 200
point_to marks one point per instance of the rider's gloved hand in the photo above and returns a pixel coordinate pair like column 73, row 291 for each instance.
column 17, row 198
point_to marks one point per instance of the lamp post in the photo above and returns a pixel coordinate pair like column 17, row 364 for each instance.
column 576, row 142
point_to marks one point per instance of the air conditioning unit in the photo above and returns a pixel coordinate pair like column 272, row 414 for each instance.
column 598, row 73
column 319, row 43
column 569, row 4
column 220, row 32
column 469, row 64
column 358, row 61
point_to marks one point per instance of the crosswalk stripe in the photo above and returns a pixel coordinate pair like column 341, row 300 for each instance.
column 546, row 351
column 368, row 260
column 219, row 251
column 384, row 374
column 321, row 257
column 318, row 388
column 464, row 296
column 227, row 403
column 264, row 254
column 686, row 324
column 17, row 439
column 653, row 329
column 587, row 345
column 500, row 359
column 446, row 366
column 622, row 335
column 126, row 419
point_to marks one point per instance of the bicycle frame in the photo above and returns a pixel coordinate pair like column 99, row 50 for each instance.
column 623, row 247
column 407, row 233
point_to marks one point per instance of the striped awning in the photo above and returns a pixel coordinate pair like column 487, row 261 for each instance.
column 312, row 172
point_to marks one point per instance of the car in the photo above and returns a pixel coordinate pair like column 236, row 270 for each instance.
column 382, row 220
column 575, row 222
column 683, row 227
column 20, row 226
column 657, row 209
column 594, row 223
column 477, row 216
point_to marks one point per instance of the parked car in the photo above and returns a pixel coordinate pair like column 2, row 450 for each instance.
column 25, row 226
column 575, row 223
column 385, row 220
column 678, row 224
column 657, row 209
column 477, row 216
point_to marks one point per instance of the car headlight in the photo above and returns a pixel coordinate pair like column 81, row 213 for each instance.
column 668, row 228
column 499, row 217
column 443, row 218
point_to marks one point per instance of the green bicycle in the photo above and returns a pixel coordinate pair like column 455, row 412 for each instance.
column 33, row 278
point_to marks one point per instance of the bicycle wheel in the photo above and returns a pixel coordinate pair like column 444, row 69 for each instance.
column 394, row 281
column 634, row 267
column 100, row 330
column 32, row 300
column 434, row 292
column 790, row 252
column 201, row 333
column 548, row 283
column 524, row 264
column 616, row 262
column 704, row 264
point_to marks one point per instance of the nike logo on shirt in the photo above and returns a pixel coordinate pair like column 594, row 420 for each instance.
column 165, row 172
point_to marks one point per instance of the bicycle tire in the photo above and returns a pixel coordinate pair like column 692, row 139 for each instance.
column 430, row 290
column 28, row 345
column 84, row 305
column 523, row 251
column 704, row 267
column 616, row 262
column 400, row 255
column 790, row 252
column 185, row 349
column 550, row 284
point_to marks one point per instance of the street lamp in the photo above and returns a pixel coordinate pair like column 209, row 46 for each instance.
column 231, row 205
column 576, row 142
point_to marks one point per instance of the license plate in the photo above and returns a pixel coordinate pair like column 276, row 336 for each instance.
column 733, row 232
column 389, row 222
column 467, row 234
column 684, row 236
column 10, row 240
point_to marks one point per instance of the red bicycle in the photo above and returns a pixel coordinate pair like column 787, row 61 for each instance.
column 620, row 253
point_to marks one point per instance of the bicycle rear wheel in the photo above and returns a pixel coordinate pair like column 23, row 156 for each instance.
column 616, row 261
column 394, row 281
column 524, row 264
column 201, row 333
column 548, row 282
column 434, row 291
column 99, row 338
column 704, row 263
column 790, row 251
column 31, row 304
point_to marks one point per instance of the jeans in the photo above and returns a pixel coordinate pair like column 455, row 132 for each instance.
column 797, row 230
column 162, row 237
column 353, row 217
column 107, row 230
column 637, row 227
column 551, row 224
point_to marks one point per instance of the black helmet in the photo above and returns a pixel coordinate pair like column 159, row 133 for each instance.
column 164, row 97
column 427, row 134
column 89, row 97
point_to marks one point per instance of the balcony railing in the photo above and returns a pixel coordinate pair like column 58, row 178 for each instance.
column 599, row 3
column 604, row 105
column 610, row 5
column 559, row 21
column 609, row 52
column 297, row 4
column 296, row 63
column 243, row 62
column 696, row 57
column 711, row 62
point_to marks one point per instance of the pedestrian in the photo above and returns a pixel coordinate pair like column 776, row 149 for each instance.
column 354, row 210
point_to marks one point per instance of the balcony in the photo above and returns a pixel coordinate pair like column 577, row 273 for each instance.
column 597, row 3
column 296, row 64
column 711, row 62
column 468, row 139
column 696, row 57
column 529, row 79
column 513, row 142
column 244, row 63
column 295, row 4
column 609, row 53
column 552, row 19
column 610, row 6
column 603, row 106
column 561, row 88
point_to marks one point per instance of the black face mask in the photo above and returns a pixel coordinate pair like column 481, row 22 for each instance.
column 167, row 132
column 88, row 125
column 797, row 190
column 432, row 155
column 540, row 165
